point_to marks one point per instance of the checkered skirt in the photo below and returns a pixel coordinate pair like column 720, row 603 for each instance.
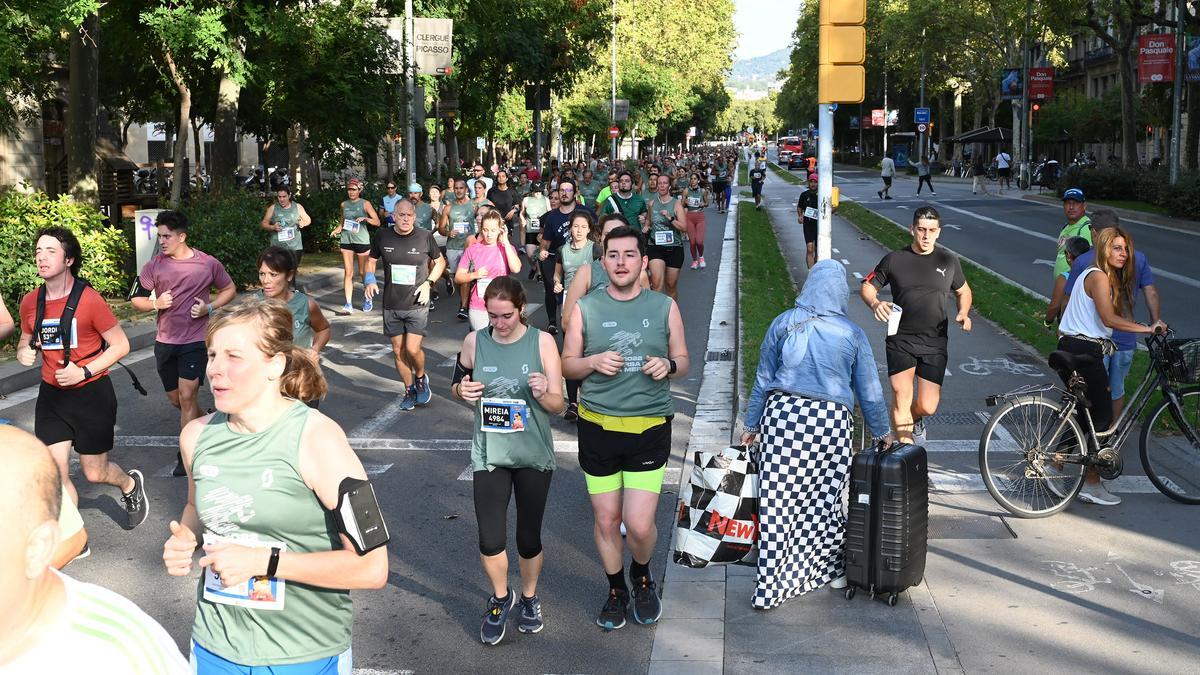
column 804, row 466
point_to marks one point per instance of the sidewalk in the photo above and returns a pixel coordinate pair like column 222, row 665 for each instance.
column 1097, row 589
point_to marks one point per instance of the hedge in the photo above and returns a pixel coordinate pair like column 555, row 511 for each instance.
column 1154, row 187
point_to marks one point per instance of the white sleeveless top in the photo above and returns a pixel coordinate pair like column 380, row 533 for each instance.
column 1081, row 317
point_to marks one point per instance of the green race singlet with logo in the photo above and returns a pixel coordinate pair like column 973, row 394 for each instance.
column 462, row 225
column 662, row 233
column 634, row 329
column 289, row 220
column 504, row 371
column 351, row 210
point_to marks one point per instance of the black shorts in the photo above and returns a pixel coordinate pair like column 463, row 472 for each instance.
column 672, row 255
column 604, row 453
column 719, row 186
column 887, row 181
column 531, row 238
column 810, row 231
column 357, row 249
column 930, row 367
column 397, row 322
column 86, row 416
column 180, row 362
column 756, row 188
column 1006, row 172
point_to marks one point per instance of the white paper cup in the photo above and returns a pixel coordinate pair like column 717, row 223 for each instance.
column 894, row 319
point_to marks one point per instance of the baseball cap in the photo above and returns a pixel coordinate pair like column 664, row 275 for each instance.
column 415, row 187
column 812, row 176
column 354, row 182
column 537, row 186
column 1074, row 193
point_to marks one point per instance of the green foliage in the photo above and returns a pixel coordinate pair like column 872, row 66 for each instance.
column 766, row 287
column 105, row 249
column 1152, row 187
column 226, row 226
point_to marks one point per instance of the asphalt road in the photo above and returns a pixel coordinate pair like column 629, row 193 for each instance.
column 427, row 617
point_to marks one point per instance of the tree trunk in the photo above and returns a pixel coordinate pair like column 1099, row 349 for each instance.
column 82, row 106
column 1125, row 64
column 293, row 144
column 197, row 171
column 450, row 139
column 1192, row 136
column 185, row 115
column 224, row 160
column 390, row 160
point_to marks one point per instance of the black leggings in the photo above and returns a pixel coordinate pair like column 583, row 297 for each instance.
column 547, row 268
column 573, row 390
column 492, row 492
column 924, row 180
column 1098, row 392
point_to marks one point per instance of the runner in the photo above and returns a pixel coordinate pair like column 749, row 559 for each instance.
column 579, row 252
column 556, row 226
column 589, row 189
column 668, row 222
column 921, row 275
column 533, row 208
column 489, row 258
column 592, row 277
column 511, row 375
column 607, row 191
column 624, row 343
column 626, row 202
column 52, row 623
column 76, row 404
column 806, row 215
column 284, row 219
column 388, row 203
column 476, row 176
column 355, row 241
column 696, row 198
column 758, row 175
column 405, row 253
column 176, row 284
column 310, row 328
column 506, row 200
column 457, row 224
column 481, row 202
column 275, row 586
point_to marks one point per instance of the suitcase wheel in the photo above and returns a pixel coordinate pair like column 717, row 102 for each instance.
column 850, row 593
column 892, row 599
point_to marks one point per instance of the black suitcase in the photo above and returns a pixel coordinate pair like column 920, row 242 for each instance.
column 888, row 521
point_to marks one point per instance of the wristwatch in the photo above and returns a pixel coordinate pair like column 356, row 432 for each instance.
column 674, row 366
column 273, row 564
column 87, row 374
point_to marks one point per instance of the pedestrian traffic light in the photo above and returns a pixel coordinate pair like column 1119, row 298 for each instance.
column 842, row 50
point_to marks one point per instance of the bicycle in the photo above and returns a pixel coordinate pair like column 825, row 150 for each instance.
column 1036, row 448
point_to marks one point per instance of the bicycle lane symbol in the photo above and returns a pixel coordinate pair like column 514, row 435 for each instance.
column 1073, row 578
column 1186, row 573
column 984, row 367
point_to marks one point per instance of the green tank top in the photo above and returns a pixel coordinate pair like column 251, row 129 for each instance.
column 302, row 332
column 352, row 209
column 462, row 225
column 504, row 371
column 535, row 209
column 249, row 488
column 425, row 215
column 662, row 233
column 599, row 277
column 634, row 329
column 572, row 259
column 289, row 220
column 694, row 200
column 588, row 192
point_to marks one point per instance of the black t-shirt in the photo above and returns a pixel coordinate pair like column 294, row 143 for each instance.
column 920, row 284
column 503, row 199
column 808, row 200
column 757, row 175
column 403, row 258
column 556, row 226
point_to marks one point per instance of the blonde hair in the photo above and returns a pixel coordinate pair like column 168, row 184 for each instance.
column 1120, row 280
column 302, row 378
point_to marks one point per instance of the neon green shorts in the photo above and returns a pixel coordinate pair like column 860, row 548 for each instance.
column 612, row 460
column 650, row 481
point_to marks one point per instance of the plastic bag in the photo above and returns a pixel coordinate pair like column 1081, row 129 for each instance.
column 718, row 510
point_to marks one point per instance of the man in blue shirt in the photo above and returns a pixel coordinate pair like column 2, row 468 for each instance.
column 1119, row 363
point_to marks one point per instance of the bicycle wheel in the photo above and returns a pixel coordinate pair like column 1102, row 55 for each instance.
column 1017, row 457
column 1170, row 447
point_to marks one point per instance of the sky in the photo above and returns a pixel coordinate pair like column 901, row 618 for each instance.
column 764, row 25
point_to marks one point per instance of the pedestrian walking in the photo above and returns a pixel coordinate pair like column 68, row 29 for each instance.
column 813, row 366
column 978, row 175
column 887, row 171
column 924, row 176
column 354, row 239
column 920, row 276
column 511, row 375
column 1003, row 162
column 625, row 343
column 275, row 587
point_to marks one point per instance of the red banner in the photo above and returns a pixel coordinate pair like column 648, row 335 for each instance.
column 1041, row 84
column 1156, row 58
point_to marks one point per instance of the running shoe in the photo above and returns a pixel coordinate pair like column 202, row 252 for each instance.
column 530, row 620
column 179, row 470
column 552, row 329
column 462, row 314
column 880, row 193
column 919, row 436
column 368, row 305
column 495, row 619
column 1095, row 493
column 702, row 263
column 646, row 605
column 433, row 296
column 410, row 398
column 533, row 270
column 612, row 615
column 572, row 413
column 888, row 197
column 137, row 507
column 449, row 287
column 347, row 309
column 423, row 394
column 933, row 193
column 695, row 264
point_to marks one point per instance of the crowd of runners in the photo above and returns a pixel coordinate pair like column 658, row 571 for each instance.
column 607, row 245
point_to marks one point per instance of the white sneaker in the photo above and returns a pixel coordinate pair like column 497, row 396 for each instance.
column 839, row 582
column 919, row 436
column 702, row 263
column 1095, row 493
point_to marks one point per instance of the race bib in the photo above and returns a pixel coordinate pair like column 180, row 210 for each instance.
column 810, row 212
column 404, row 275
column 460, row 228
column 664, row 238
column 261, row 592
column 535, row 224
column 287, row 234
column 351, row 225
column 503, row 415
column 50, row 338
column 693, row 202
column 481, row 286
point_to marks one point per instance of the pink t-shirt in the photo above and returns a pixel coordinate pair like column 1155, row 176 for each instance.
column 480, row 255
column 187, row 280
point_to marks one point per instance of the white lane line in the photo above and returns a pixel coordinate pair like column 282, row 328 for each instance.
column 374, row 469
column 858, row 275
column 944, row 480
column 845, row 262
column 384, row 418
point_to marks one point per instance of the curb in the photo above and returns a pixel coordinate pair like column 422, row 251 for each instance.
column 15, row 377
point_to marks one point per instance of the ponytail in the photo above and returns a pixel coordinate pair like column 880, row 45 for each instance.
column 302, row 378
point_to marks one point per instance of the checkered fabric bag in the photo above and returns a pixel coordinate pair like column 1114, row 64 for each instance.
column 718, row 510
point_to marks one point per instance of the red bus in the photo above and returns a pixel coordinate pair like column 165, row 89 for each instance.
column 789, row 145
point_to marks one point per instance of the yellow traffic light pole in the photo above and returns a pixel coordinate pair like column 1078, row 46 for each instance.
column 841, row 79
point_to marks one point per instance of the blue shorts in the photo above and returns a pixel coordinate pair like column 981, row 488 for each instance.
column 1118, row 366
column 207, row 663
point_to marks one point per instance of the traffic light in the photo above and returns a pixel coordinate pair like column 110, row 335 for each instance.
column 842, row 49
column 1033, row 113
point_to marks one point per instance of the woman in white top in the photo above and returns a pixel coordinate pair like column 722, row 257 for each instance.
column 1087, row 326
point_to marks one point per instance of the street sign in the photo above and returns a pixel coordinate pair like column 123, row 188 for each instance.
column 921, row 116
column 614, row 132
column 878, row 117
column 691, row 132
column 621, row 110
column 922, row 128
column 432, row 40
column 480, row 142
column 815, row 133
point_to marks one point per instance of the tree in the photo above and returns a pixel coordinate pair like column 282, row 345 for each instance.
column 82, row 106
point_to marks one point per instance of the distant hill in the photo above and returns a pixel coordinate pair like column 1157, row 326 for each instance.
column 760, row 71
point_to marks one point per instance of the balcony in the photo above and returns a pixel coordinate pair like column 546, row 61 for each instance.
column 1094, row 57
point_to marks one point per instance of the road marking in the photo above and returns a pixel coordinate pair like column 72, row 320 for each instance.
column 953, row 227
column 858, row 275
column 374, row 469
column 1041, row 261
column 845, row 262
column 950, row 481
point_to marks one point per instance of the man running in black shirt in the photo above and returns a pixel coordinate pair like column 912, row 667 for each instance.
column 758, row 174
column 806, row 215
column 921, row 276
